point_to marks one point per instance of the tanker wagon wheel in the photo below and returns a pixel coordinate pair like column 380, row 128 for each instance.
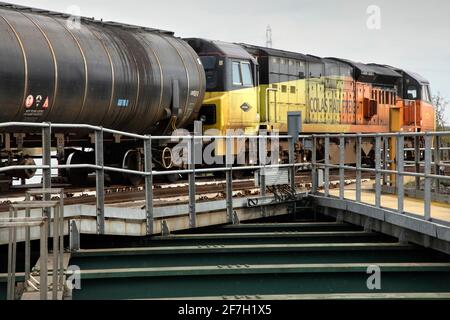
column 167, row 162
column 132, row 161
column 77, row 177
column 28, row 173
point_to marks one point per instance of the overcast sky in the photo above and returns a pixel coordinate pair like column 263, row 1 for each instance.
column 414, row 35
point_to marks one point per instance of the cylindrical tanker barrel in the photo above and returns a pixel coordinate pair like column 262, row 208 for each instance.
column 105, row 74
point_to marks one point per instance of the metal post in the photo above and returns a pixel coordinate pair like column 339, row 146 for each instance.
column 358, row 168
column 148, row 156
column 294, row 129
column 12, row 251
column 341, row 167
column 55, row 252
column 47, row 161
column 314, row 165
column 427, row 191
column 61, row 240
column 400, row 168
column 437, row 162
column 192, row 191
column 292, row 169
column 327, row 168
column 262, row 172
column 27, row 244
column 43, row 260
column 74, row 236
column 417, row 159
column 229, row 175
column 100, row 181
column 378, row 174
column 385, row 159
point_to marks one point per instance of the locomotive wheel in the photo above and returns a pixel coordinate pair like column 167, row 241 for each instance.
column 77, row 177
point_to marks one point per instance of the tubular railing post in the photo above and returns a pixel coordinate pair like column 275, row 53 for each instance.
column 27, row 244
column 100, row 181
column 437, row 162
column 358, row 168
column 314, row 165
column 417, row 159
column 294, row 127
column 378, row 174
column 61, row 240
column 47, row 161
column 427, row 191
column 148, row 159
column 327, row 169
column 55, row 252
column 229, row 176
column 12, row 251
column 192, row 208
column 341, row 167
column 43, row 286
column 262, row 172
column 292, row 169
column 385, row 159
column 400, row 168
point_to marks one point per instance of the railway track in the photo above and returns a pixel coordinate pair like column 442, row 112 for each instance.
column 119, row 194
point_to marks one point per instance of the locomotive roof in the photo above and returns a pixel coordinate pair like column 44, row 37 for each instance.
column 276, row 52
column 232, row 50
column 417, row 77
column 369, row 69
column 16, row 7
column 413, row 75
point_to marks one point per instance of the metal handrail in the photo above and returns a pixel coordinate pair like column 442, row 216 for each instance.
column 148, row 173
column 432, row 157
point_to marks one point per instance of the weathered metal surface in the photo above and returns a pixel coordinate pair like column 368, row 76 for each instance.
column 100, row 73
column 204, row 265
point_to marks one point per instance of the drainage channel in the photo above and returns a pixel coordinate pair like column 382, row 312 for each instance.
column 312, row 260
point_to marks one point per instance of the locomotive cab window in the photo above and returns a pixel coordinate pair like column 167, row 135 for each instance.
column 246, row 70
column 210, row 66
column 412, row 93
column 242, row 74
column 237, row 78
column 426, row 93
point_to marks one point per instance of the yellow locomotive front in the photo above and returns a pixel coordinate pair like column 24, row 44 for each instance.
column 231, row 101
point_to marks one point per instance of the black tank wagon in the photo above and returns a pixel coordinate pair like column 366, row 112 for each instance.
column 106, row 74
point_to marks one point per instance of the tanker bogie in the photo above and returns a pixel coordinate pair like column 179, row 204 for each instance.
column 79, row 176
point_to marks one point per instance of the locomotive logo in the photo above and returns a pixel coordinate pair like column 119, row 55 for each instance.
column 246, row 107
column 29, row 101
